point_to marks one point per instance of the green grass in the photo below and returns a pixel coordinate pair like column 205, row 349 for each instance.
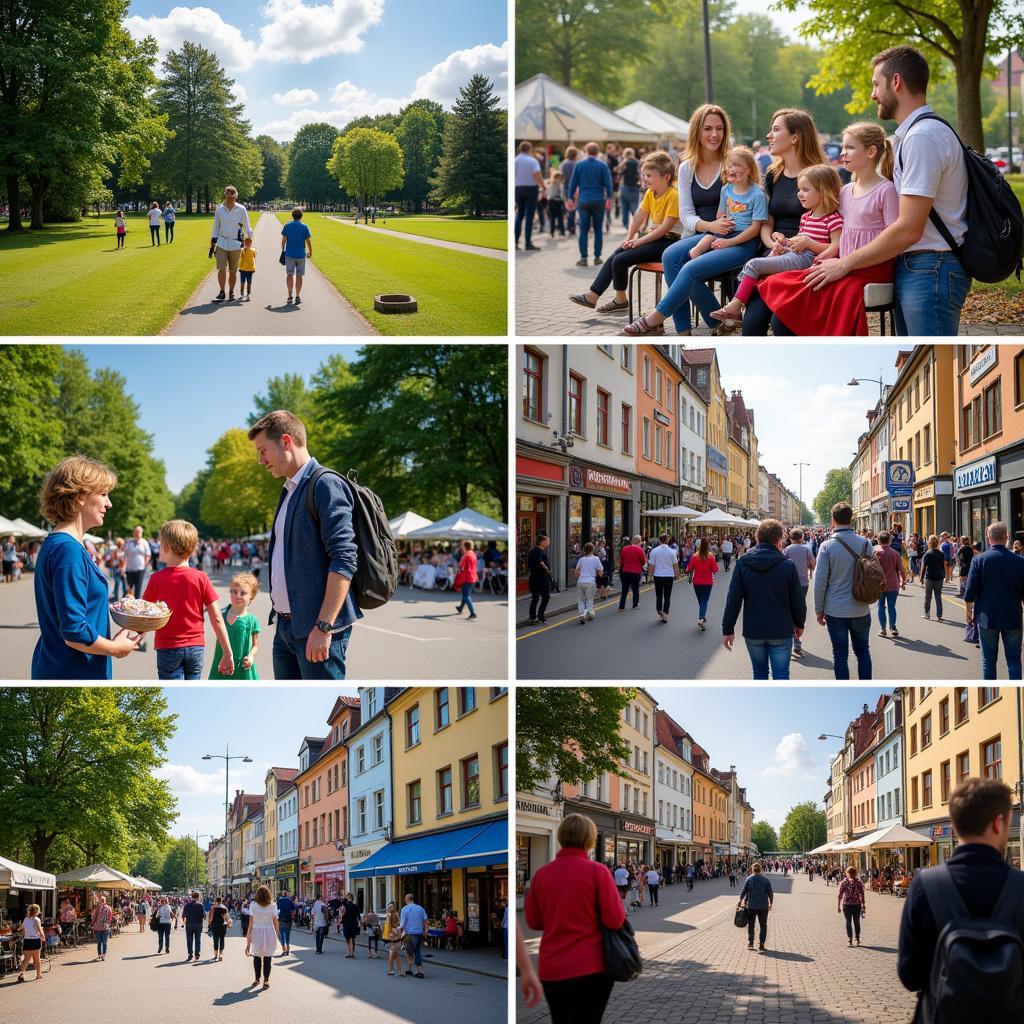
column 491, row 234
column 70, row 279
column 457, row 293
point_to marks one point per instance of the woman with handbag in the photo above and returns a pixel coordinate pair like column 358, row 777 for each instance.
column 574, row 903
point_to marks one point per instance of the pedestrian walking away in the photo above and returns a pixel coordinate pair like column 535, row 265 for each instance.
column 413, row 922
column 588, row 568
column 538, row 564
column 653, row 885
column 757, row 896
column 700, row 571
column 994, row 597
column 632, row 563
column 798, row 552
column 851, row 903
column 895, row 581
column 528, row 184
column 263, row 935
column 220, row 921
column 933, row 575
column 665, row 565
column 194, row 916
column 285, row 917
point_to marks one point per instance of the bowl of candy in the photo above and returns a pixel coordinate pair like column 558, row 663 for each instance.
column 140, row 616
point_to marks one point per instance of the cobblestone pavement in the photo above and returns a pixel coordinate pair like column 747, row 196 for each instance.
column 697, row 968
column 545, row 279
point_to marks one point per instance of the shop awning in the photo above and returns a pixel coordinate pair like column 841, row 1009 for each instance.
column 478, row 844
column 98, row 875
column 488, row 846
column 13, row 875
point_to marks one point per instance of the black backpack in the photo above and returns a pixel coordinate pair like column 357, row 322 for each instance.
column 994, row 243
column 376, row 578
column 978, row 967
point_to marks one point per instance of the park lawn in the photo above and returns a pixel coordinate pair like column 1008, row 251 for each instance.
column 491, row 234
column 457, row 293
column 70, row 279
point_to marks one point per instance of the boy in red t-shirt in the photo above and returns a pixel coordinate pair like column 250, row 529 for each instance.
column 187, row 592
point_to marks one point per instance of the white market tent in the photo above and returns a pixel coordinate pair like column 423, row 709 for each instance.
column 7, row 526
column 98, row 875
column 14, row 875
column 664, row 124
column 547, row 111
column 145, row 883
column 824, row 848
column 673, row 512
column 23, row 529
column 466, row 524
column 718, row 517
column 892, row 837
column 401, row 526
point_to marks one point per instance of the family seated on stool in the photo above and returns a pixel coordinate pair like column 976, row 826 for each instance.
column 804, row 244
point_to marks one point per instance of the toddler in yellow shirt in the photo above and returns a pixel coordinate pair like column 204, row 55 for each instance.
column 246, row 268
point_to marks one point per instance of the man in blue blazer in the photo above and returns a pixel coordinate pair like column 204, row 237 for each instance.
column 311, row 567
column 994, row 596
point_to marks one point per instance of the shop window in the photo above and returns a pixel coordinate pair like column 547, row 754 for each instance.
column 534, row 365
column 992, row 759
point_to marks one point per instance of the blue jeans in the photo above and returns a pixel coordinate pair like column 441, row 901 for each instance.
column 990, row 651
column 931, row 287
column 526, row 210
column 286, row 933
column 888, row 600
column 466, row 600
column 120, row 584
column 591, row 215
column 290, row 655
column 773, row 654
column 193, row 937
column 180, row 663
column 685, row 278
column 414, row 944
column 703, row 592
column 163, row 937
column 629, row 201
column 842, row 632
column 101, row 942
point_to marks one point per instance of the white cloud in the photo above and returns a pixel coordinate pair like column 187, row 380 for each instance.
column 296, row 97
column 792, row 758
column 300, row 33
column 198, row 25
column 348, row 102
column 239, row 92
column 443, row 81
column 187, row 781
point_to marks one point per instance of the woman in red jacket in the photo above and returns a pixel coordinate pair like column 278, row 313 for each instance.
column 563, row 901
column 701, row 570
column 466, row 577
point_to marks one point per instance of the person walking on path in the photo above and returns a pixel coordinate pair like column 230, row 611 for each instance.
column 664, row 563
column 319, row 922
column 413, row 922
column 847, row 619
column 850, row 902
column 538, row 565
column 591, row 192
column 933, row 575
column 230, row 227
column 653, row 884
column 732, row 876
column 120, row 228
column 285, row 916
column 154, row 217
column 193, row 915
column 895, row 581
column 164, row 918
column 767, row 587
column 296, row 246
column 588, row 568
column 727, row 550
column 350, row 921
column 169, row 217
column 529, row 181
column 632, row 562
column 758, row 897
column 571, row 900
column 465, row 579
column 994, row 596
column 220, row 921
column 145, row 909
column 800, row 555
column 32, row 941
column 262, row 938
column 700, row 571
column 393, row 937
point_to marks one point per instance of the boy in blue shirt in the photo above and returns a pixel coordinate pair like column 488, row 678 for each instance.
column 296, row 242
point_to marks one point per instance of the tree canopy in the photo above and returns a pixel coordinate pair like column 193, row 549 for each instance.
column 275, row 165
column 763, row 836
column 367, row 163
column 804, row 829
column 239, row 496
column 838, row 486
column 307, row 179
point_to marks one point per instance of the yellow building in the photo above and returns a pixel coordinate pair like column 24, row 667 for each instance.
column 950, row 735
column 282, row 875
column 742, row 455
column 737, row 476
column 216, row 869
column 450, row 777
column 634, row 838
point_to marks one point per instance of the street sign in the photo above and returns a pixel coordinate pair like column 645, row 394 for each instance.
column 901, row 504
column 896, row 491
column 899, row 473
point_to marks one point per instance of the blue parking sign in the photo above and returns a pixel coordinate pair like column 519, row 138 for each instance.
column 899, row 474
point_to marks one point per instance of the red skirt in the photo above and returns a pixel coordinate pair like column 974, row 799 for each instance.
column 835, row 311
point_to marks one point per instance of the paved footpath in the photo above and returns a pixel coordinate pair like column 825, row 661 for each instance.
column 323, row 311
column 474, row 250
column 545, row 279
column 618, row 645
column 697, row 967
column 416, row 635
column 136, row 983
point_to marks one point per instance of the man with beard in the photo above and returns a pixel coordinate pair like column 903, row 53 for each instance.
column 930, row 174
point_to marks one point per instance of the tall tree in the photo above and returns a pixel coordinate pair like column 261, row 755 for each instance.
column 951, row 33
column 805, row 828
column 275, row 162
column 184, row 865
column 78, row 763
column 838, row 486
column 763, row 836
column 307, row 179
column 420, row 139
column 472, row 169
column 289, row 392
column 240, row 496
column 569, row 733
column 367, row 163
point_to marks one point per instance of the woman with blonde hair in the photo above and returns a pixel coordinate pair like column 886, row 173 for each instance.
column 71, row 591
column 263, row 933
column 392, row 933
column 31, row 941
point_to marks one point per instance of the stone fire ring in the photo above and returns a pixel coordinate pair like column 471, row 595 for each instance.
column 396, row 303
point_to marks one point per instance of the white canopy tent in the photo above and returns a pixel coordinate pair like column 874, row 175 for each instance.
column 23, row 529
column 7, row 526
column 466, row 524
column 547, row 111
column 401, row 526
column 717, row 517
column 824, row 848
column 664, row 124
column 672, row 512
column 97, row 876
column 892, row 837
column 145, row 883
column 14, row 875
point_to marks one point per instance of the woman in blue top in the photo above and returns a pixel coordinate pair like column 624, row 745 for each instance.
column 71, row 591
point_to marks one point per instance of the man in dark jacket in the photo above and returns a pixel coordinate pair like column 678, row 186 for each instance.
column 981, row 812
column 767, row 586
column 758, row 895
column 994, row 595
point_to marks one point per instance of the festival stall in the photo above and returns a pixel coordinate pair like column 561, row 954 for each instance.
column 401, row 526
column 668, row 127
column 466, row 524
column 85, row 885
column 21, row 886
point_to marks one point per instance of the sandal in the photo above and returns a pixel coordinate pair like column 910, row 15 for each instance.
column 613, row 306
column 725, row 318
column 640, row 328
column 581, row 300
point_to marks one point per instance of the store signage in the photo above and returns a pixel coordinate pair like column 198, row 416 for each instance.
column 898, row 473
column 285, row 869
column 636, row 827
column 717, row 461
column 982, row 364
column 354, row 853
column 941, row 831
column 602, row 480
column 531, row 807
column 902, row 505
column 660, row 417
column 975, row 474
column 924, row 491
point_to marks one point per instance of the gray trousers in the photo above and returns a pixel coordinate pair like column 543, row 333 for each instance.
column 765, row 266
column 933, row 587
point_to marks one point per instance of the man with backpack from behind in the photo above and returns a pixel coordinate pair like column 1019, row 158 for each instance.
column 961, row 945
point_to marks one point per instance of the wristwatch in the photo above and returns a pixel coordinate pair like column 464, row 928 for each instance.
column 325, row 627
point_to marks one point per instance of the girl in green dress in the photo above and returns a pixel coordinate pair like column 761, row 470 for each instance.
column 243, row 627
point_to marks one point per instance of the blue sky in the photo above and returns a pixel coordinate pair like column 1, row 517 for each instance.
column 804, row 410
column 298, row 61
column 770, row 734
column 218, row 380
column 264, row 723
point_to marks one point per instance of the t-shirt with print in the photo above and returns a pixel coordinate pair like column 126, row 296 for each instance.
column 186, row 592
column 745, row 207
column 295, row 234
column 660, row 208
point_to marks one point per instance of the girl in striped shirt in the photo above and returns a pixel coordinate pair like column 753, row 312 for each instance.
column 818, row 239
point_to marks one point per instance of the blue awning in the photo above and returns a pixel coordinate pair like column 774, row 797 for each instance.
column 469, row 846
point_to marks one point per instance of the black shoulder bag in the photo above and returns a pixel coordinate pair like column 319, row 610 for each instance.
column 622, row 961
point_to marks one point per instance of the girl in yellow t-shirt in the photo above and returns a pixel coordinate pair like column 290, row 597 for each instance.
column 246, row 268
column 659, row 213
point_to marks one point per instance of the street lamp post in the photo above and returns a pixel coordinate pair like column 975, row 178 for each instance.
column 227, row 758
column 856, row 381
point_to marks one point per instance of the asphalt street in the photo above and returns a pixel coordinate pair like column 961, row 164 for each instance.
column 633, row 644
column 417, row 635
column 697, row 967
column 137, row 982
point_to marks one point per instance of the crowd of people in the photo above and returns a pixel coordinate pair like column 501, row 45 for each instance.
column 438, row 567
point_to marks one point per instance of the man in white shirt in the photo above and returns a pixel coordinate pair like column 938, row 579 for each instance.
column 664, row 564
column 727, row 552
column 929, row 174
column 528, row 185
column 588, row 568
column 230, row 227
